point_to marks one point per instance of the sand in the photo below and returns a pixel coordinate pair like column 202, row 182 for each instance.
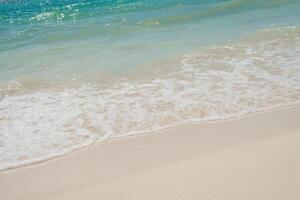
column 255, row 158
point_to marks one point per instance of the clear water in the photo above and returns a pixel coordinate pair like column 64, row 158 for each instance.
column 76, row 72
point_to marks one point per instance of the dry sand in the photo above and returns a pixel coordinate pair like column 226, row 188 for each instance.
column 256, row 158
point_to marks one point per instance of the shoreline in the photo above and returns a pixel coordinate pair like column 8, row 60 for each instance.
column 149, row 162
column 225, row 81
column 191, row 122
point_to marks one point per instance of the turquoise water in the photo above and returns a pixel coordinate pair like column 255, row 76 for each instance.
column 77, row 72
column 49, row 39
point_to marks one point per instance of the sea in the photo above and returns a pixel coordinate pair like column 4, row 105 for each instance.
column 77, row 72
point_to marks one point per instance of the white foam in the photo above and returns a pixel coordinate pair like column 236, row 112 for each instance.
column 213, row 84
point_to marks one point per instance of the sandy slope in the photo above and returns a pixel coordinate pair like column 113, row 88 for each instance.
column 253, row 158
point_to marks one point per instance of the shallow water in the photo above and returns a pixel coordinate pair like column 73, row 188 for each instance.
column 76, row 72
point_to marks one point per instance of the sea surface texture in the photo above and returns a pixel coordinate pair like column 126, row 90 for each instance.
column 76, row 72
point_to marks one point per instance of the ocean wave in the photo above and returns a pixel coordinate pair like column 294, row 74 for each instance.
column 259, row 73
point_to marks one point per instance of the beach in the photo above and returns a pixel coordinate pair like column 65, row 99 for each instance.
column 256, row 157
column 79, row 72
column 143, row 99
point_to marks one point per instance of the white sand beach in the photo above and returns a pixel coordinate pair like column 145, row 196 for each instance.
column 254, row 158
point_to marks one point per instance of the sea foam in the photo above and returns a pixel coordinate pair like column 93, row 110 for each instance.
column 257, row 74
